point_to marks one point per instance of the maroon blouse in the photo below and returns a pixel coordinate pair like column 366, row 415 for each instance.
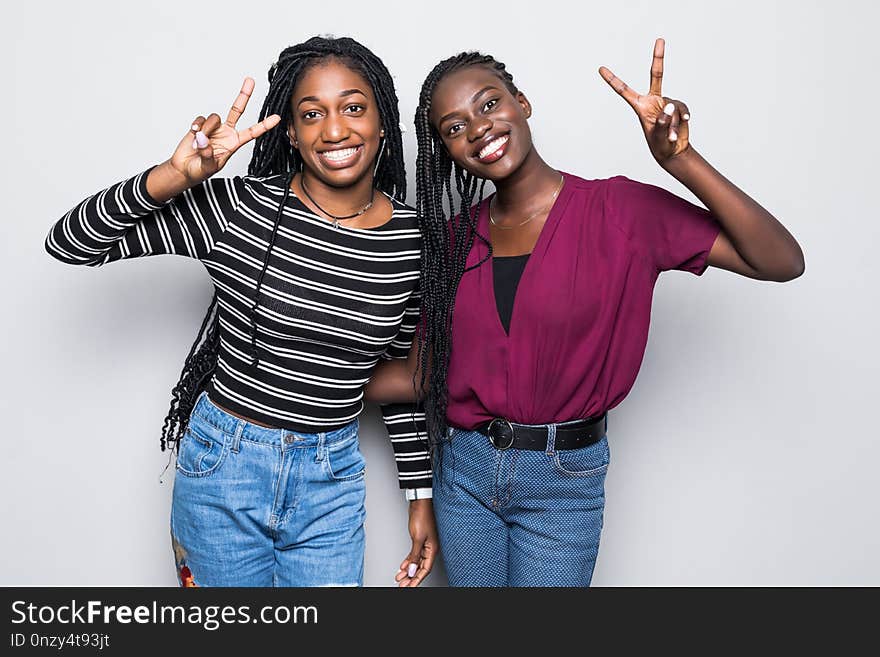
column 583, row 305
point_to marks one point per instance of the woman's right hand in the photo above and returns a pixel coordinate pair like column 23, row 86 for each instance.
column 209, row 144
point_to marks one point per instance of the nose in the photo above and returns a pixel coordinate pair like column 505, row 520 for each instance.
column 334, row 128
column 478, row 128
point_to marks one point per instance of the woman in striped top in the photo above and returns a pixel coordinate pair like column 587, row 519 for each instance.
column 316, row 279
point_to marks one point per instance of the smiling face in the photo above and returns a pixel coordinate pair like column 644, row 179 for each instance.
column 482, row 123
column 335, row 123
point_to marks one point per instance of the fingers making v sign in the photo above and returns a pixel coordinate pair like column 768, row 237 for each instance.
column 209, row 144
column 664, row 120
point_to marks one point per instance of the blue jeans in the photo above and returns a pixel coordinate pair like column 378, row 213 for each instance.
column 254, row 506
column 518, row 517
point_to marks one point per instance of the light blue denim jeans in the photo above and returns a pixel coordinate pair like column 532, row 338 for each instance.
column 254, row 506
column 518, row 517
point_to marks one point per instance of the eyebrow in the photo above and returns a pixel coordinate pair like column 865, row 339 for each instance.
column 342, row 94
column 473, row 100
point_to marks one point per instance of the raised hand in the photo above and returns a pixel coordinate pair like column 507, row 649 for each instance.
column 664, row 120
column 209, row 144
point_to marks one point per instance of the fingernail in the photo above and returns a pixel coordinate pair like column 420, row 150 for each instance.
column 201, row 139
column 685, row 116
column 411, row 570
column 194, row 127
column 669, row 109
column 673, row 136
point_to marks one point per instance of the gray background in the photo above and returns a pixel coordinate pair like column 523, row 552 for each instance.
column 745, row 454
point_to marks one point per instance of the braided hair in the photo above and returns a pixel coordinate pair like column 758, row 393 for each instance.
column 445, row 244
column 273, row 155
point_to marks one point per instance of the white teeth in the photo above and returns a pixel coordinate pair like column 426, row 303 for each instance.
column 493, row 146
column 338, row 156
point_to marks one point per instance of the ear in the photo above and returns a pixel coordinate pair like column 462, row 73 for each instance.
column 524, row 103
column 292, row 134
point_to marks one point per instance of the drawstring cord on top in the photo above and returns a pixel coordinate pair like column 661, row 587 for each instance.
column 255, row 356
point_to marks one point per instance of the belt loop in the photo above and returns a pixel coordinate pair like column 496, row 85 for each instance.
column 321, row 447
column 236, row 437
column 551, row 439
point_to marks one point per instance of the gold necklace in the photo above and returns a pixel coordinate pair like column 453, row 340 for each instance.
column 531, row 216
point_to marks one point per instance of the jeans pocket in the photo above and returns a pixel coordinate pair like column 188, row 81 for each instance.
column 589, row 461
column 441, row 460
column 344, row 461
column 202, row 450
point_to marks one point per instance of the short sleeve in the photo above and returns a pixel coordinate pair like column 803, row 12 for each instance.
column 672, row 233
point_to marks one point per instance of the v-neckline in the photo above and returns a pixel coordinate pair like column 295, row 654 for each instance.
column 537, row 253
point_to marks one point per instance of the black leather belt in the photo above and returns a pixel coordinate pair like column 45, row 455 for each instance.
column 504, row 434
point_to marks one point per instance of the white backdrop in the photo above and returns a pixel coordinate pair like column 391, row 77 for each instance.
column 747, row 451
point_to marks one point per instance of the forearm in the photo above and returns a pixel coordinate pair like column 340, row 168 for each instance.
column 398, row 380
column 165, row 182
column 392, row 382
column 758, row 237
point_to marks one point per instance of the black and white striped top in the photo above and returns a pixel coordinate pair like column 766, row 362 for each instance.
column 334, row 300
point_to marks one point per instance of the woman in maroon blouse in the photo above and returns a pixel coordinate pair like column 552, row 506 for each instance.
column 547, row 285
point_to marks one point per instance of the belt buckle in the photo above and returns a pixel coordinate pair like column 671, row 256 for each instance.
column 499, row 428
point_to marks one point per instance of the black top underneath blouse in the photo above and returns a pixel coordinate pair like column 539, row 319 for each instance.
column 507, row 271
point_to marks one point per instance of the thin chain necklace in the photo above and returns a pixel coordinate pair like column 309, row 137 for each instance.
column 337, row 218
column 531, row 216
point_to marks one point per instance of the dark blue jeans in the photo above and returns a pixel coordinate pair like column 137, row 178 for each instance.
column 518, row 517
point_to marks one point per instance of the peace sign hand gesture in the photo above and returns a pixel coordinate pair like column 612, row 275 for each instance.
column 209, row 144
column 665, row 121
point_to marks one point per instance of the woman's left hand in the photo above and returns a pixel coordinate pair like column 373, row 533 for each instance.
column 664, row 120
column 425, row 544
